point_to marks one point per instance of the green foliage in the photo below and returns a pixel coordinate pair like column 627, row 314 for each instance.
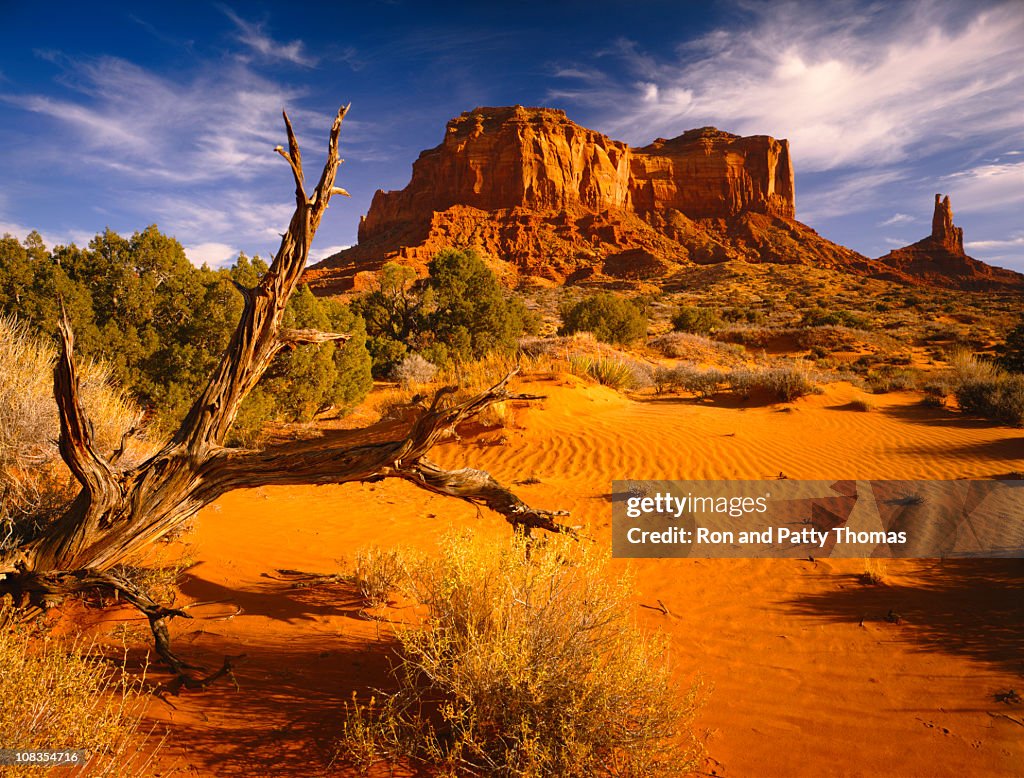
column 984, row 389
column 614, row 372
column 702, row 321
column 611, row 318
column 1011, row 353
column 821, row 317
column 459, row 312
column 161, row 324
column 472, row 314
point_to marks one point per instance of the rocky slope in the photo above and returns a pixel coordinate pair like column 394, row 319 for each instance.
column 940, row 259
column 552, row 201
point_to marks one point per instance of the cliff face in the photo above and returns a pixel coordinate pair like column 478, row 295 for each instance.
column 535, row 158
column 551, row 200
column 708, row 173
column 940, row 259
column 500, row 158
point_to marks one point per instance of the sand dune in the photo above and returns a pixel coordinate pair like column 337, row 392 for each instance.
column 808, row 677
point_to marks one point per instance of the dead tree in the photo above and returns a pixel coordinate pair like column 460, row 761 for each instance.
column 120, row 510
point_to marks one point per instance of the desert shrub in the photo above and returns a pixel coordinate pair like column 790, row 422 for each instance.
column 1011, row 353
column 686, row 345
column 615, row 372
column 529, row 665
column 469, row 310
column 414, row 370
column 821, row 317
column 690, row 378
column 986, row 390
column 749, row 335
column 33, row 479
column 56, row 697
column 861, row 405
column 891, row 379
column 701, row 321
column 377, row 574
column 780, row 383
column 611, row 318
column 936, row 391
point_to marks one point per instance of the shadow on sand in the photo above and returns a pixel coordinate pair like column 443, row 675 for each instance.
column 971, row 608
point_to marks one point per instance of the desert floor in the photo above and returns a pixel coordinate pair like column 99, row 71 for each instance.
column 807, row 677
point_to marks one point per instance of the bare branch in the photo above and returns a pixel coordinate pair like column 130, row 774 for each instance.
column 292, row 338
column 77, row 449
column 480, row 488
column 257, row 339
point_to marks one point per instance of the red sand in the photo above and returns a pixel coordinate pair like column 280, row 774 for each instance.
column 799, row 687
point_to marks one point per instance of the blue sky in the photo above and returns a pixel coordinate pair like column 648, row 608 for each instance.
column 123, row 115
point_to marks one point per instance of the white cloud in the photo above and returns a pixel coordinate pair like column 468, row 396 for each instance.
column 317, row 254
column 253, row 36
column 212, row 254
column 995, row 245
column 844, row 195
column 848, row 85
column 220, row 122
column 896, row 218
column 986, row 187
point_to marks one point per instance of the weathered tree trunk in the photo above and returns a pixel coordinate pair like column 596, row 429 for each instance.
column 119, row 511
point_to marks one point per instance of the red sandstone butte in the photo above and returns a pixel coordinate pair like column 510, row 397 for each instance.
column 547, row 199
column 940, row 259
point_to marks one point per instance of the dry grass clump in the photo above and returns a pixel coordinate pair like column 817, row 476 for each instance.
column 55, row 697
column 784, row 384
column 697, row 348
column 987, row 390
column 874, row 572
column 33, row 479
column 892, row 379
column 529, row 665
column 690, row 378
column 377, row 574
column 414, row 370
column 615, row 372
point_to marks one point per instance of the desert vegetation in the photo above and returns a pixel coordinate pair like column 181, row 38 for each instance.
column 525, row 664
column 56, row 696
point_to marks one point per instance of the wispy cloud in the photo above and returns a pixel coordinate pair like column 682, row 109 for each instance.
column 131, row 120
column 848, row 85
column 253, row 36
column 316, row 254
column 845, row 194
column 896, row 218
column 985, row 187
column 996, row 245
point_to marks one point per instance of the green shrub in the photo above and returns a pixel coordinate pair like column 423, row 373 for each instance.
column 701, row 321
column 821, row 317
column 984, row 389
column 611, row 318
column 1011, row 353
column 529, row 665
column 470, row 312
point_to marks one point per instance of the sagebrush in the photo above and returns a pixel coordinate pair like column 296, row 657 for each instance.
column 528, row 664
